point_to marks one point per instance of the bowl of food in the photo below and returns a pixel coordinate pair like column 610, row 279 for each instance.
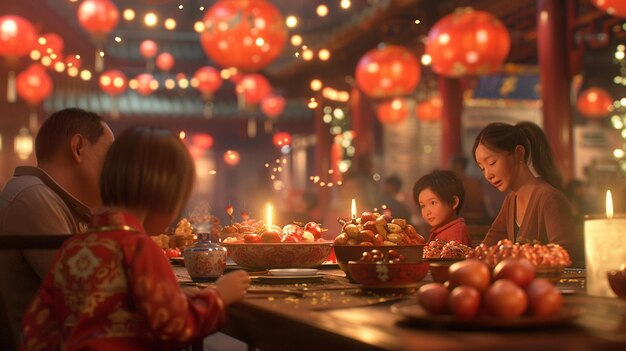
column 347, row 253
column 386, row 270
column 439, row 267
column 278, row 255
column 617, row 281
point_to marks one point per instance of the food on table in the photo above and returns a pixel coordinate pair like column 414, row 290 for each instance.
column 513, row 292
column 252, row 231
column 372, row 228
column 183, row 235
column 172, row 252
column 163, row 240
column 541, row 256
column 391, row 256
column 441, row 249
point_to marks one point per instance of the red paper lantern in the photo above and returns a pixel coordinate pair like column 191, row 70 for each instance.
column 165, row 61
column 145, row 86
column 594, row 103
column 282, row 139
column 34, row 84
column 273, row 105
column 387, row 72
column 113, row 82
column 209, row 80
column 53, row 44
column 429, row 110
column 612, row 7
column 467, row 42
column 17, row 36
column 98, row 17
column 252, row 88
column 392, row 111
column 73, row 60
column 148, row 48
column 248, row 34
column 203, row 141
column 231, row 157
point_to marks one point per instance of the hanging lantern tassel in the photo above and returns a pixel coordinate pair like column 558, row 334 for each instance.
column 150, row 65
column 251, row 128
column 11, row 91
column 99, row 64
column 241, row 101
column 33, row 120
column 115, row 111
column 268, row 126
column 207, row 112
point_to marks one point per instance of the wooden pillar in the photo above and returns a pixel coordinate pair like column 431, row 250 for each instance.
column 361, row 114
column 452, row 98
column 555, row 82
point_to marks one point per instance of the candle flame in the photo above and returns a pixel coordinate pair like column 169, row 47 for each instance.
column 609, row 205
column 269, row 214
column 353, row 209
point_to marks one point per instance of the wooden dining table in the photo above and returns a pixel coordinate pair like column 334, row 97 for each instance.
column 331, row 313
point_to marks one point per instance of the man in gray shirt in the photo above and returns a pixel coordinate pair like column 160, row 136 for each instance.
column 56, row 197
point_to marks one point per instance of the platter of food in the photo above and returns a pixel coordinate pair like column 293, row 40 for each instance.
column 415, row 313
column 279, row 279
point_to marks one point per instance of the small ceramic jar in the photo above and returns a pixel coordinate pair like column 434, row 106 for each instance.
column 205, row 261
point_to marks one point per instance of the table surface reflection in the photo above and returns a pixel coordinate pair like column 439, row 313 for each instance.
column 334, row 314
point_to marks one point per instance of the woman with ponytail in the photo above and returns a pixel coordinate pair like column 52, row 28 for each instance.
column 517, row 159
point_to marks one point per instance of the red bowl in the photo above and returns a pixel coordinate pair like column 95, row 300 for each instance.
column 347, row 253
column 439, row 268
column 378, row 275
column 278, row 255
column 617, row 281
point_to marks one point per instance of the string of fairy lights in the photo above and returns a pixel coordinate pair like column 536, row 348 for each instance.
column 618, row 118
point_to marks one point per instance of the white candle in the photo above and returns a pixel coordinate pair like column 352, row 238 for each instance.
column 269, row 215
column 353, row 210
column 605, row 248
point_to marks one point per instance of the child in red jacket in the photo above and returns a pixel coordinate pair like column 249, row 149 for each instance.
column 440, row 196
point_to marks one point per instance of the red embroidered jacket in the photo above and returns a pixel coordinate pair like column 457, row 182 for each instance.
column 113, row 289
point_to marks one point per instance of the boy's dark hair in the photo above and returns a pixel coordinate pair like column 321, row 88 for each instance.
column 445, row 184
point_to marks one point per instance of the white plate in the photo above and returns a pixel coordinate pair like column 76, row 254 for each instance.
column 293, row 272
column 286, row 279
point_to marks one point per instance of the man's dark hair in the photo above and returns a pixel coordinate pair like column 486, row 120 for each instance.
column 61, row 126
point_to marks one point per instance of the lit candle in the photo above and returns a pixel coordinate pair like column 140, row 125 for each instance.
column 353, row 211
column 271, row 233
column 605, row 248
column 609, row 205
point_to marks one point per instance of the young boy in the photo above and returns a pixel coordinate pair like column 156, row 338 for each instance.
column 440, row 196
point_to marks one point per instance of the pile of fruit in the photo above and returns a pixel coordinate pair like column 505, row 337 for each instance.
column 261, row 233
column 375, row 229
column 541, row 256
column 441, row 249
column 392, row 256
column 510, row 291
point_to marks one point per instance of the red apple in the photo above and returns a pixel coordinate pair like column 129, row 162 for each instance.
column 292, row 229
column 434, row 298
column 505, row 299
column 464, row 302
column 544, row 298
column 271, row 234
column 470, row 272
column 313, row 228
column 518, row 270
column 307, row 236
column 289, row 239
